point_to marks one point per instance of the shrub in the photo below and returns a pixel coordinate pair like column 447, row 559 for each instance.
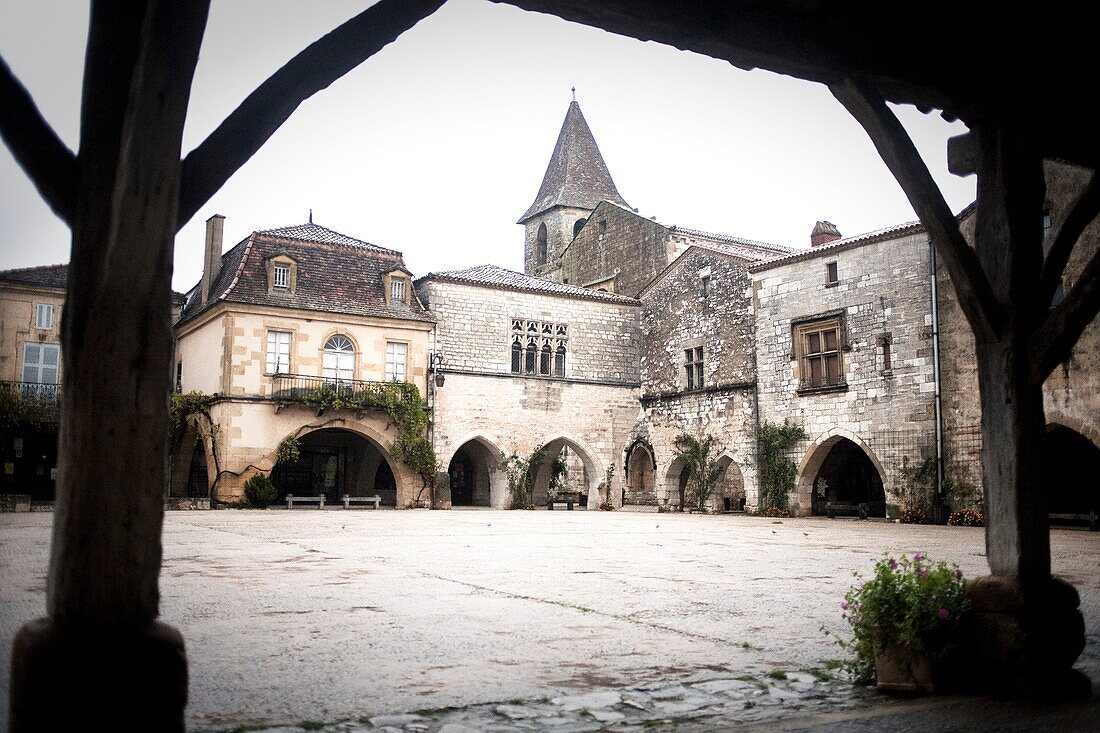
column 260, row 491
column 777, row 471
column 916, row 604
column 913, row 515
column 967, row 518
column 521, row 476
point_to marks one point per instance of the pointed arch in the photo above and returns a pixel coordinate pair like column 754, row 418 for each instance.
column 811, row 495
column 482, row 482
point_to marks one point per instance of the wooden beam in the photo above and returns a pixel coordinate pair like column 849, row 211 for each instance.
column 1065, row 323
column 976, row 297
column 242, row 133
column 1064, row 236
column 37, row 149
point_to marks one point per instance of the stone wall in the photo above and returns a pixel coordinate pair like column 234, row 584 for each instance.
column 475, row 330
column 883, row 294
column 559, row 233
column 617, row 244
column 17, row 326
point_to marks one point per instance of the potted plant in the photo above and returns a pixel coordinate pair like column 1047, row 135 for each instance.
column 905, row 624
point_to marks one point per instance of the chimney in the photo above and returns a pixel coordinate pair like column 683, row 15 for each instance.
column 212, row 264
column 823, row 233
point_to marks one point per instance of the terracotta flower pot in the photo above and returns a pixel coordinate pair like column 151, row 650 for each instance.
column 898, row 669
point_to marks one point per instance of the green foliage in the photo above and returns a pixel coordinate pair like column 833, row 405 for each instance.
column 704, row 472
column 777, row 471
column 913, row 515
column 402, row 403
column 182, row 406
column 962, row 493
column 17, row 407
column 521, row 476
column 289, row 450
column 260, row 491
column 918, row 486
column 916, row 604
column 559, row 473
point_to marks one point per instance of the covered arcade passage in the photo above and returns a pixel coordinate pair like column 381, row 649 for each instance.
column 475, row 476
column 845, row 477
column 334, row 462
column 1073, row 475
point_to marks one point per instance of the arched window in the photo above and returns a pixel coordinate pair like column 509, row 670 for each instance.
column 338, row 362
column 545, row 357
column 517, row 356
column 529, row 364
column 540, row 245
column 559, row 361
column 578, row 226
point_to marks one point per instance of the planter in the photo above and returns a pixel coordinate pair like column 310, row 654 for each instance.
column 898, row 669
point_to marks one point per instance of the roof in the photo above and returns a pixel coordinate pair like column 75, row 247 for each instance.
column 577, row 174
column 335, row 274
column 48, row 276
column 311, row 232
column 739, row 246
column 879, row 235
column 502, row 279
column 43, row 276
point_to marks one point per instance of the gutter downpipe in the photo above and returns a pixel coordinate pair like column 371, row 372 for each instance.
column 936, row 373
column 756, row 401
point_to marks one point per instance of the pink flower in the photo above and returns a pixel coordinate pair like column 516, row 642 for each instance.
column 958, row 574
column 917, row 557
column 844, row 606
column 893, row 564
column 943, row 613
column 922, row 573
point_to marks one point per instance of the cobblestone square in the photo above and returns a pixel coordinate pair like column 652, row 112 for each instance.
column 531, row 620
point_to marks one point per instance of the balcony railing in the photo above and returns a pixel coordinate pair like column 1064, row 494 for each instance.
column 320, row 390
column 48, row 395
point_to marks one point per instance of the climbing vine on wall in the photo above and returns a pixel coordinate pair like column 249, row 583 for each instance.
column 289, row 450
column 521, row 476
column 181, row 407
column 402, row 403
column 16, row 408
column 777, row 471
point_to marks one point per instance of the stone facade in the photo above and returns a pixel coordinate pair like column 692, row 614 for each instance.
column 884, row 404
column 700, row 302
column 490, row 412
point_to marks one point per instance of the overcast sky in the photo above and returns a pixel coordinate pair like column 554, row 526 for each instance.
column 437, row 144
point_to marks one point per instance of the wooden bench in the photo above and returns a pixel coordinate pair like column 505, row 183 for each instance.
column 1091, row 518
column 568, row 503
column 348, row 499
column 835, row 508
column 318, row 500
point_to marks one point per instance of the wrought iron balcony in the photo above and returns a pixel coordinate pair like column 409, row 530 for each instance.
column 332, row 393
column 46, row 394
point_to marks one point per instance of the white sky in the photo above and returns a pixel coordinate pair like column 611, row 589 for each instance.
column 437, row 144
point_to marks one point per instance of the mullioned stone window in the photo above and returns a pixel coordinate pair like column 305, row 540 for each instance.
column 539, row 348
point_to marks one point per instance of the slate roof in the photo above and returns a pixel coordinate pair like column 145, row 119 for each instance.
column 335, row 274
column 739, row 246
column 879, row 235
column 577, row 174
column 46, row 276
column 502, row 279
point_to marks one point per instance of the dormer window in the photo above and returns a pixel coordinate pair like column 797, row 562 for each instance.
column 397, row 286
column 282, row 275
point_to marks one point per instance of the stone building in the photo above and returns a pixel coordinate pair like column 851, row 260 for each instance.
column 283, row 329
column 31, row 302
column 526, row 362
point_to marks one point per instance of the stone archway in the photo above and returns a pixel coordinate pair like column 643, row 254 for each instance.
column 730, row 492
column 585, row 472
column 841, row 473
column 335, row 461
column 676, row 482
column 1072, row 463
column 640, row 486
column 474, row 475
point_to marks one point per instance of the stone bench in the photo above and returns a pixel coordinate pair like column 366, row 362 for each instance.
column 833, row 509
column 376, row 500
column 568, row 503
column 291, row 499
column 1091, row 518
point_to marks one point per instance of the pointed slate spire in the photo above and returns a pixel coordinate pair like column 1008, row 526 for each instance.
column 577, row 175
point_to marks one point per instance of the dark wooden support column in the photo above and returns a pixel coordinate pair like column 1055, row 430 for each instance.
column 101, row 647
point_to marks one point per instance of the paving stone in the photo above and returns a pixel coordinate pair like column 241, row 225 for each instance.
column 674, row 692
column 802, row 677
column 589, row 701
column 553, row 722
column 783, row 694
column 456, row 728
column 397, row 721
column 607, row 716
column 515, row 712
column 715, row 686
